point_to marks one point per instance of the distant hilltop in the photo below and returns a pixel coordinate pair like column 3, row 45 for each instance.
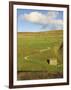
column 52, row 32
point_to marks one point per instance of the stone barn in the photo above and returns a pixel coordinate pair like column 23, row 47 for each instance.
column 52, row 61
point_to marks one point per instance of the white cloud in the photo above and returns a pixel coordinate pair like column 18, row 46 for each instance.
column 40, row 18
column 35, row 17
column 52, row 14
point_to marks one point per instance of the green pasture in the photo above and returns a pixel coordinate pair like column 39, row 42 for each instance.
column 34, row 48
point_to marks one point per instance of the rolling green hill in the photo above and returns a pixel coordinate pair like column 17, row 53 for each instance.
column 35, row 48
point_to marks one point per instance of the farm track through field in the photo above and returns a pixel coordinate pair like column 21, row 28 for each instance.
column 42, row 50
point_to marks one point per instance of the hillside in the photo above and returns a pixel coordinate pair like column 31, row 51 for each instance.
column 36, row 49
column 54, row 32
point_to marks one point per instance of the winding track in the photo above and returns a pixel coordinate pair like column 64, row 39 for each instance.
column 42, row 50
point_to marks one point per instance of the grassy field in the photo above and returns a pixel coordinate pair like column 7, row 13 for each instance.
column 34, row 49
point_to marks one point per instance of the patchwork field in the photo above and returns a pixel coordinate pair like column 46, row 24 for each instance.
column 39, row 55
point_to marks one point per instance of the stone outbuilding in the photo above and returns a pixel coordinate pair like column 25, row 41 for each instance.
column 52, row 61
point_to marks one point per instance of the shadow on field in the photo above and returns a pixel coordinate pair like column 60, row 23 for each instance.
column 28, row 75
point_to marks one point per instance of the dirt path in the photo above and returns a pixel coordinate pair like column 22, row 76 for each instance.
column 42, row 50
column 26, row 57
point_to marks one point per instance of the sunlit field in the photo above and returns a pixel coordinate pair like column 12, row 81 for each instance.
column 39, row 55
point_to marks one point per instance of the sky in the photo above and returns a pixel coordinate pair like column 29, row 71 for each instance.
column 32, row 20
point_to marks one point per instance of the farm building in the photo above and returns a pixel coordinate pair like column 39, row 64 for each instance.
column 52, row 61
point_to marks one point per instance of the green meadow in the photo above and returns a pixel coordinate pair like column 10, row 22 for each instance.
column 39, row 55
